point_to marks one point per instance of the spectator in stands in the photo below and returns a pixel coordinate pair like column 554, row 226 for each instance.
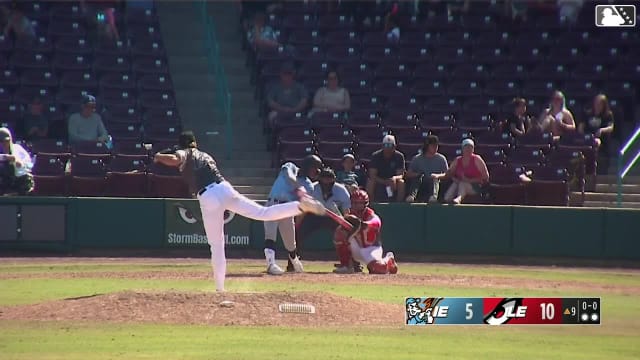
column 347, row 177
column 261, row 36
column 15, row 167
column 468, row 173
column 333, row 97
column 286, row 96
column 36, row 125
column 102, row 18
column 557, row 118
column 392, row 25
column 516, row 10
column 518, row 122
column 87, row 125
column 599, row 122
column 425, row 164
column 19, row 25
column 569, row 10
column 458, row 7
column 387, row 169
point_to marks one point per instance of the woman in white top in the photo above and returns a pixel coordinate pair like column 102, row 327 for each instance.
column 557, row 118
column 332, row 97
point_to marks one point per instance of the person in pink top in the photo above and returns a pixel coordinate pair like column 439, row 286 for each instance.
column 468, row 173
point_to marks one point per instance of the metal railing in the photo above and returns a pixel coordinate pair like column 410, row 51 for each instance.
column 623, row 169
column 223, row 95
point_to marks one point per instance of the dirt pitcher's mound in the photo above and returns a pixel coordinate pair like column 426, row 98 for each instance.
column 204, row 308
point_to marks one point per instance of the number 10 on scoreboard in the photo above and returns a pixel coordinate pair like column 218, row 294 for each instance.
column 501, row 311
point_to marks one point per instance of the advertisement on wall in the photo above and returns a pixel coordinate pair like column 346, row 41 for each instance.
column 184, row 226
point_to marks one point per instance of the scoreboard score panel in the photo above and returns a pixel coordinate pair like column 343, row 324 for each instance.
column 502, row 311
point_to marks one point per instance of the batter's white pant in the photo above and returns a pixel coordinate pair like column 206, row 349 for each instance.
column 365, row 255
column 287, row 230
column 213, row 203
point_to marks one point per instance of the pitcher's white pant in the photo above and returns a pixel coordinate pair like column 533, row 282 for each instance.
column 365, row 255
column 213, row 203
column 286, row 227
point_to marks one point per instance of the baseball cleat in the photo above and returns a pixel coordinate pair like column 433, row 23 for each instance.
column 392, row 266
column 343, row 270
column 274, row 269
column 297, row 264
column 310, row 205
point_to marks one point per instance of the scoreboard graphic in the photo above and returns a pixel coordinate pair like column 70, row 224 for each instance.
column 501, row 311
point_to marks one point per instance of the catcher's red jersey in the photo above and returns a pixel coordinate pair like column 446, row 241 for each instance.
column 370, row 236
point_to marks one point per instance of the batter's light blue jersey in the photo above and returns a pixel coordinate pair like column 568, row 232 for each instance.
column 283, row 188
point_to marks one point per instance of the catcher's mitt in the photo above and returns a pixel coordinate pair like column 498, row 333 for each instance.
column 356, row 224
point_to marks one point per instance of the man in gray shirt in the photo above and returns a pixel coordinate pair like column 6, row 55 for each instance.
column 422, row 167
column 287, row 96
column 87, row 125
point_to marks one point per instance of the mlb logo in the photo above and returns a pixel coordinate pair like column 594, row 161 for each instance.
column 615, row 15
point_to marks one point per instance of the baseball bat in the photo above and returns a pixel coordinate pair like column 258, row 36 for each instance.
column 339, row 219
column 335, row 217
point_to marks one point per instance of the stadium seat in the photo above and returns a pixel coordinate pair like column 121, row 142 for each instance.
column 166, row 182
column 126, row 177
column 505, row 185
column 88, row 174
column 49, row 176
column 549, row 187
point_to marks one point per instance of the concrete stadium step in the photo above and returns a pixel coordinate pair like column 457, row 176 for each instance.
column 232, row 172
column 613, row 188
column 244, row 163
column 199, row 82
column 189, row 63
column 249, row 180
column 611, row 197
column 252, row 189
column 609, row 204
column 256, row 197
column 613, row 179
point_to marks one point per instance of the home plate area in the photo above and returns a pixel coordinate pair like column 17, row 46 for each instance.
column 261, row 309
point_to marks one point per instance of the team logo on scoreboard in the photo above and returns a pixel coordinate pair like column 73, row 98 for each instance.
column 424, row 311
column 505, row 311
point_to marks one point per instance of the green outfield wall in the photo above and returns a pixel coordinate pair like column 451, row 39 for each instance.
column 71, row 224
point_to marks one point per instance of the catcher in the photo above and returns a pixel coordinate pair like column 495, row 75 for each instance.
column 362, row 242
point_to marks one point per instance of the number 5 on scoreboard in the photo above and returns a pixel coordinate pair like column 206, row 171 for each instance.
column 548, row 311
column 469, row 311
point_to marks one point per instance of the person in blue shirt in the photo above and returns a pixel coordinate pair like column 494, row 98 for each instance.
column 292, row 183
column 333, row 196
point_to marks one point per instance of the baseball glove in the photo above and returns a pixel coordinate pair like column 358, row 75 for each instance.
column 356, row 225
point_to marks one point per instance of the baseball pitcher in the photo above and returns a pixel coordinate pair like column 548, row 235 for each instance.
column 291, row 183
column 362, row 243
column 215, row 195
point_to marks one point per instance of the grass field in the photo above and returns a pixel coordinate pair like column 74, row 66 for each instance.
column 23, row 282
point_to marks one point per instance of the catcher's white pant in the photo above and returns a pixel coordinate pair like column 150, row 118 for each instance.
column 365, row 255
column 220, row 197
column 286, row 227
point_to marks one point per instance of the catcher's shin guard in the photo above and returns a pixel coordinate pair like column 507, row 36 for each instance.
column 377, row 267
column 341, row 243
column 344, row 254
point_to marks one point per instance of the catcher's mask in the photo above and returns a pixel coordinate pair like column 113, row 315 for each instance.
column 359, row 201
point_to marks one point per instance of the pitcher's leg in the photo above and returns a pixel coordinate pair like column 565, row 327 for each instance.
column 239, row 204
column 213, row 219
